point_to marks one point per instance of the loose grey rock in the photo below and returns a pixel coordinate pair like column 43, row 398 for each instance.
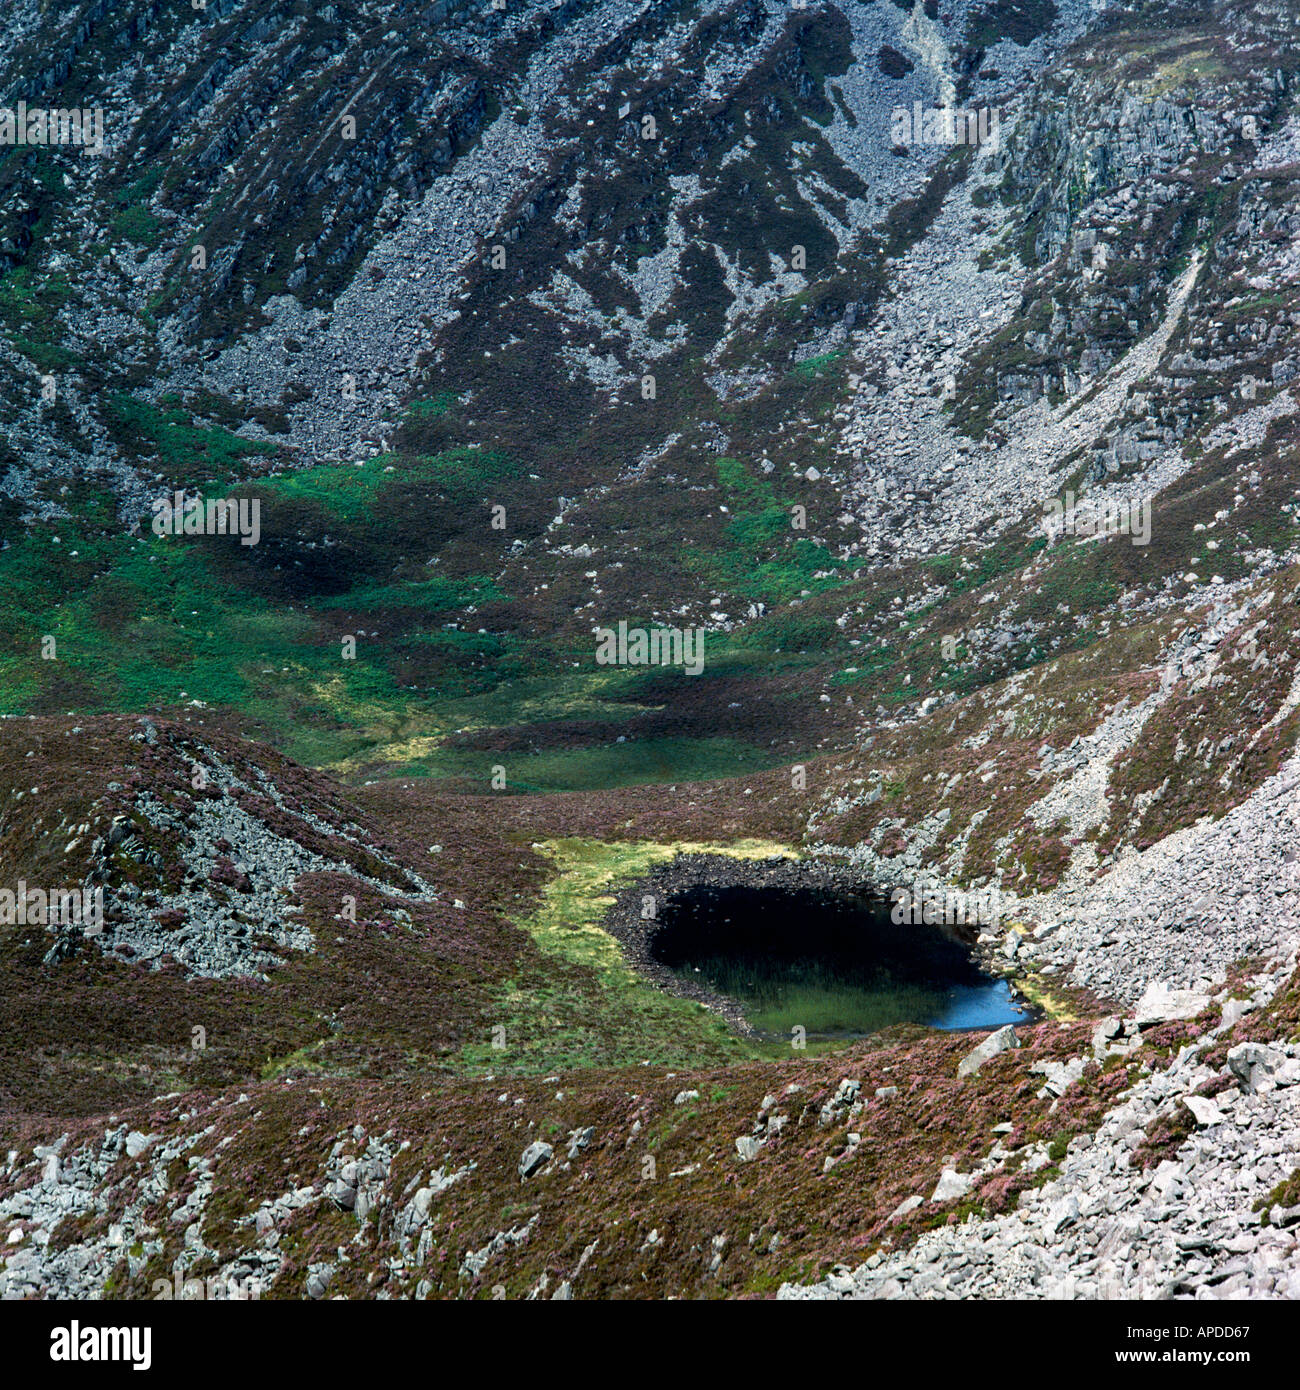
column 1003, row 1040
column 952, row 1184
column 535, row 1157
column 1160, row 1004
column 1204, row 1110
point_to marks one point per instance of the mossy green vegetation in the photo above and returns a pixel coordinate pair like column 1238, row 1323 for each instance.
column 1285, row 1194
column 29, row 310
column 576, row 899
column 191, row 455
column 1020, row 21
column 603, row 1013
column 767, row 555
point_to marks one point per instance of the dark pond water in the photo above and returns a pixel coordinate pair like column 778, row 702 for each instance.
column 836, row 966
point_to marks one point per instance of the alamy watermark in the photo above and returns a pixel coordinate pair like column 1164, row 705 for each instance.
column 927, row 905
column 655, row 646
column 217, row 1287
column 54, row 907
column 41, row 125
column 77, row 1343
column 1066, row 517
column 945, row 125
column 179, row 515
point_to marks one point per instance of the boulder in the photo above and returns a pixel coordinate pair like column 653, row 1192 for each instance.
column 1003, row 1040
column 1234, row 1010
column 1061, row 1075
column 952, row 1184
column 343, row 1196
column 1108, row 1038
column 908, row 1204
column 1064, row 1213
column 535, row 1157
column 1160, row 1004
column 1107, row 1029
column 579, row 1139
column 1254, row 1064
column 1204, row 1110
column 137, row 1143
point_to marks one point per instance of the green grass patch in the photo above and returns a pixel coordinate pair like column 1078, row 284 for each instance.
column 593, row 1009
column 192, row 454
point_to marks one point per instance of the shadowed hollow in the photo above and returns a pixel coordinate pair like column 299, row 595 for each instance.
column 836, row 966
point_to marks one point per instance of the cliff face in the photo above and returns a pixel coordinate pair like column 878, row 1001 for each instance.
column 1133, row 153
column 291, row 196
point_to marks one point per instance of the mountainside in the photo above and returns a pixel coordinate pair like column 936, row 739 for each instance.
column 969, row 470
